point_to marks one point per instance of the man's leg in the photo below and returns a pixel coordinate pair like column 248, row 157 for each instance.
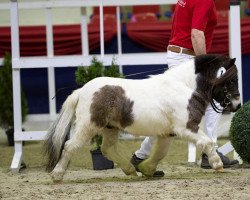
column 212, row 119
column 145, row 149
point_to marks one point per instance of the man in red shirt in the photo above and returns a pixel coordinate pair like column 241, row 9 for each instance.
column 193, row 25
column 192, row 31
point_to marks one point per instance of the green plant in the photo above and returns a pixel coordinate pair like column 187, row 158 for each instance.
column 6, row 96
column 97, row 141
column 96, row 69
column 240, row 132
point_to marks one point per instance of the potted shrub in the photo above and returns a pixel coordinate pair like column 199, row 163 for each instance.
column 83, row 75
column 99, row 161
column 239, row 132
column 6, row 100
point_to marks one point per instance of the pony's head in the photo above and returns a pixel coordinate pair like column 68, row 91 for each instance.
column 222, row 76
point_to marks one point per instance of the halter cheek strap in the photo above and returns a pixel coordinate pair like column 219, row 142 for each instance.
column 220, row 72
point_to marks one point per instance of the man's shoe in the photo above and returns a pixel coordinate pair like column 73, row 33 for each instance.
column 136, row 161
column 204, row 162
column 227, row 163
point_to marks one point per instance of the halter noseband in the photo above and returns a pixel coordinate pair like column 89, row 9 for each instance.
column 225, row 103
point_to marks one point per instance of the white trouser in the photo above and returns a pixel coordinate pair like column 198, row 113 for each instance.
column 211, row 120
column 211, row 117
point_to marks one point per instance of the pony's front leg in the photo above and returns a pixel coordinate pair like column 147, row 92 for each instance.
column 159, row 151
column 109, row 149
column 205, row 144
column 208, row 147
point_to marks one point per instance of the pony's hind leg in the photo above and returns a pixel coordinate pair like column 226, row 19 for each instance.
column 109, row 149
column 159, row 151
column 78, row 139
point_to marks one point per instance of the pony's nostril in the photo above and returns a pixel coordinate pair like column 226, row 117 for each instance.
column 238, row 107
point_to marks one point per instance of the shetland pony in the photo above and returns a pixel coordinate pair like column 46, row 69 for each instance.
column 165, row 104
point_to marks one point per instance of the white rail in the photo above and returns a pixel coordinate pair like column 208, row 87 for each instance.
column 83, row 3
column 79, row 60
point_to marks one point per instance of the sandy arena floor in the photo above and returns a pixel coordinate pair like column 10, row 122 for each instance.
column 81, row 182
column 180, row 182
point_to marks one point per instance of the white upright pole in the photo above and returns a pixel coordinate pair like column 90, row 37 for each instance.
column 15, row 51
column 51, row 70
column 119, row 35
column 101, row 28
column 235, row 45
column 84, row 32
column 191, row 153
column 235, row 39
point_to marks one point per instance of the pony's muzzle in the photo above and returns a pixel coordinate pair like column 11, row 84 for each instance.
column 236, row 103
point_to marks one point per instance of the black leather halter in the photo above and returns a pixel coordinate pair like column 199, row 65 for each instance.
column 225, row 103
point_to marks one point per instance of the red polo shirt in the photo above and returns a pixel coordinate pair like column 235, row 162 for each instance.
column 193, row 14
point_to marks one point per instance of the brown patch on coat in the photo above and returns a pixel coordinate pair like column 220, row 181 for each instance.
column 111, row 107
column 198, row 102
column 196, row 108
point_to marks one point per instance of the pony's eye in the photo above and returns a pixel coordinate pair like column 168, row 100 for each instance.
column 232, row 81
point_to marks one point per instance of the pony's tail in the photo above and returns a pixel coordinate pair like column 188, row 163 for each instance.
column 58, row 133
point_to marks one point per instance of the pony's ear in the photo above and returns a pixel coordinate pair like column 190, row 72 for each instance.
column 232, row 62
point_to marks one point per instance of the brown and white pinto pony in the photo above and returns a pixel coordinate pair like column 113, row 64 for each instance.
column 172, row 102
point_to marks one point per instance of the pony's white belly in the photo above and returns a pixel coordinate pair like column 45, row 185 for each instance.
column 150, row 126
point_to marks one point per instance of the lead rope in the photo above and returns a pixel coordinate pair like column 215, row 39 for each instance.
column 76, row 87
column 216, row 109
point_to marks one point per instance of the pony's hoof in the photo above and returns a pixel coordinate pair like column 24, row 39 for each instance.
column 133, row 174
column 220, row 170
column 57, row 177
column 129, row 170
column 147, row 169
column 147, row 173
column 130, row 173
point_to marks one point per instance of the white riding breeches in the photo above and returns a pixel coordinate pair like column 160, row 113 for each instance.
column 211, row 117
column 211, row 120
